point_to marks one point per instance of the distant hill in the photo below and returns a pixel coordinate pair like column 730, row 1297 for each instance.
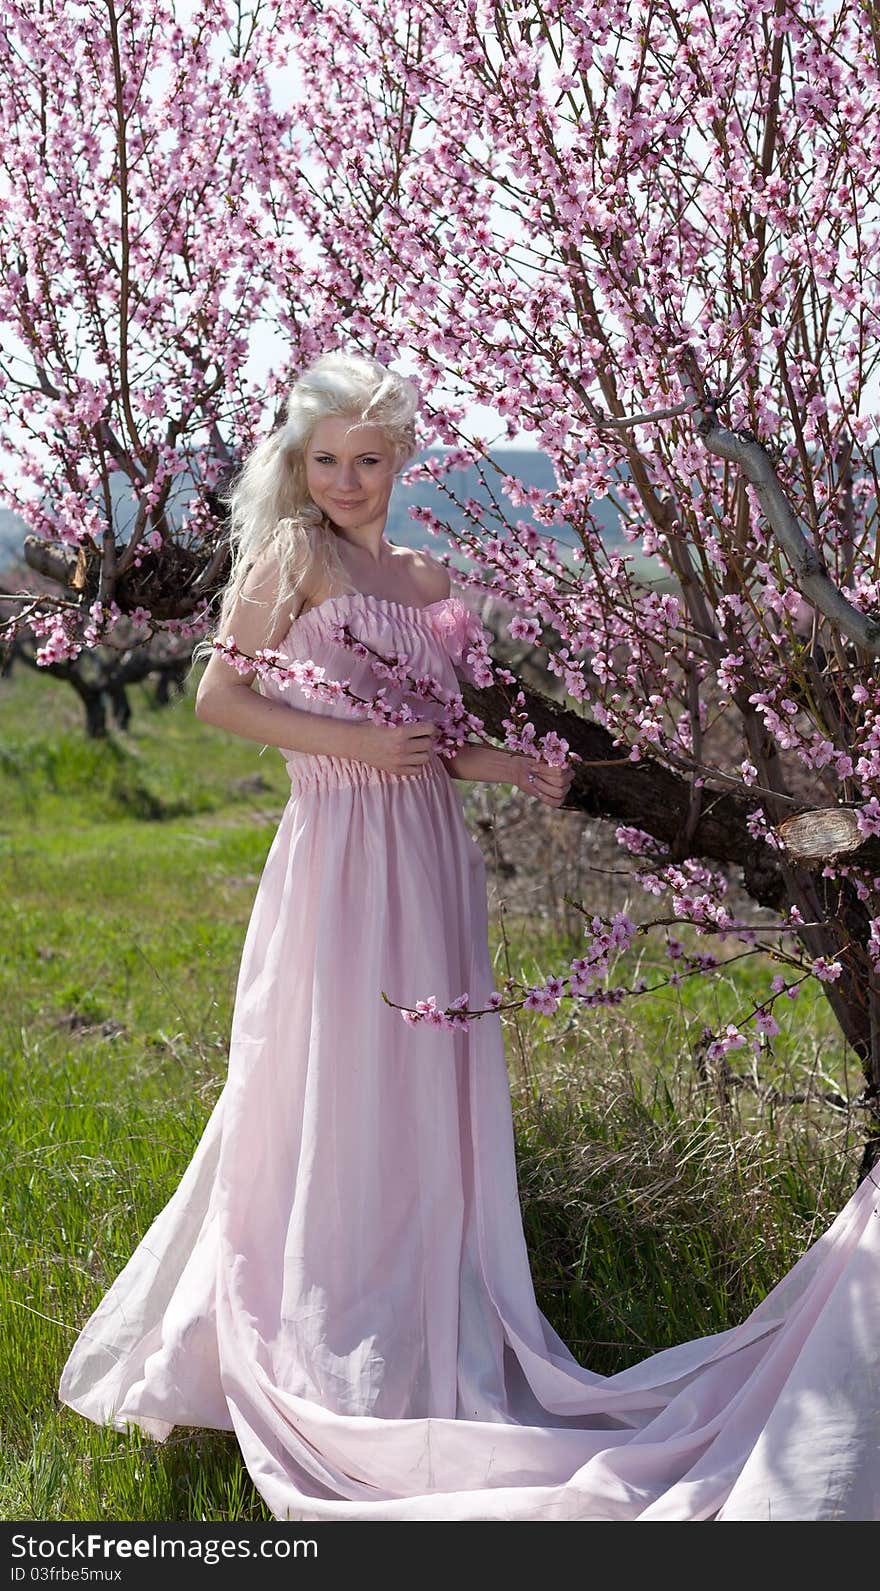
column 12, row 531
column 528, row 465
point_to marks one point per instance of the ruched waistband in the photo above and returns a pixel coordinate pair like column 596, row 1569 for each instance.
column 313, row 771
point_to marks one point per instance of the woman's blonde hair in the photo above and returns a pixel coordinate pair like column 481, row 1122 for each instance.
column 270, row 509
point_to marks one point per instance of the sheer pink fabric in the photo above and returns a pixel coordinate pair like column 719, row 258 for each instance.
column 341, row 1276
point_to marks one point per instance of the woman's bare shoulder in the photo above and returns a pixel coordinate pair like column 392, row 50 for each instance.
column 429, row 575
column 263, row 577
column 264, row 581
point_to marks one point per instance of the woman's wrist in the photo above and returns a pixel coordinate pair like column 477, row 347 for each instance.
column 486, row 764
column 524, row 774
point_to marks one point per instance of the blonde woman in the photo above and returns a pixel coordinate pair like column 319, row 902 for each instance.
column 341, row 1276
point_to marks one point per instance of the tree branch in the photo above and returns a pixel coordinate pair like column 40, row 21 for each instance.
column 644, row 794
column 743, row 449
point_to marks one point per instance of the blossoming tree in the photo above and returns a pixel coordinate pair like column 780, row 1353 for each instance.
column 645, row 231
column 142, row 160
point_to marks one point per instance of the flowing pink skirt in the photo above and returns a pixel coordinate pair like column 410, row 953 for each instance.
column 341, row 1277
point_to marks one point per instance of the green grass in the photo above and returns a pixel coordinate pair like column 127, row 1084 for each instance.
column 658, row 1206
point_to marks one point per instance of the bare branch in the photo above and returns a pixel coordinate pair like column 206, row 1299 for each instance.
column 744, row 450
column 623, row 422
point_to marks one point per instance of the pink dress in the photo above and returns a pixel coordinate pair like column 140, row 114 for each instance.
column 341, row 1277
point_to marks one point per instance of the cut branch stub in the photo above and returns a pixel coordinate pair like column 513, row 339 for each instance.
column 814, row 838
column 50, row 559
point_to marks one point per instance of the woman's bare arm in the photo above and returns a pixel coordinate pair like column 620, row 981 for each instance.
column 493, row 765
column 485, row 764
column 228, row 699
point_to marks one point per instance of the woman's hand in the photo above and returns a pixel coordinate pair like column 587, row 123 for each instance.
column 396, row 748
column 550, row 785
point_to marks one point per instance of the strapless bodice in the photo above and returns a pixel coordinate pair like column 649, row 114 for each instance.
column 430, row 642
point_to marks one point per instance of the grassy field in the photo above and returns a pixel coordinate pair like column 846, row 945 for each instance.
column 657, row 1206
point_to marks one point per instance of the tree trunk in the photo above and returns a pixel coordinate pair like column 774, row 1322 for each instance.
column 816, row 839
column 119, row 704
column 94, row 702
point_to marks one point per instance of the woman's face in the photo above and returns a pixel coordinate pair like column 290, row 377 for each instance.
column 350, row 472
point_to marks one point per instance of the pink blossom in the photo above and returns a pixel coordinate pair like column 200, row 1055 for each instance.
column 868, row 817
column 766, row 1023
column 523, row 629
column 730, row 1039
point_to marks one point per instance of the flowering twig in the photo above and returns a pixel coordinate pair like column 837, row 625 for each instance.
column 618, row 935
column 312, row 682
column 454, row 723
